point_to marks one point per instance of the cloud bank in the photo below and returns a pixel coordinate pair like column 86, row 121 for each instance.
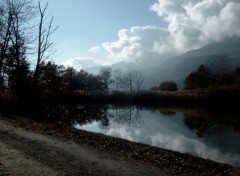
column 139, row 43
column 191, row 24
column 85, row 62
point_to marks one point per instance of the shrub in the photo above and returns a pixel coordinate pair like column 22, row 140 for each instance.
column 168, row 86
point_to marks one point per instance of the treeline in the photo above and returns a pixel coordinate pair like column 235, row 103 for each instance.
column 59, row 79
column 205, row 77
column 28, row 81
column 166, row 86
column 25, row 44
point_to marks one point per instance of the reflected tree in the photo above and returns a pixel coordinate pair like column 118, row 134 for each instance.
column 130, row 116
column 197, row 124
column 90, row 113
column 78, row 114
column 168, row 112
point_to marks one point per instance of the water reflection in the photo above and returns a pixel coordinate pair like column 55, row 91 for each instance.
column 130, row 117
column 88, row 114
column 197, row 124
column 192, row 133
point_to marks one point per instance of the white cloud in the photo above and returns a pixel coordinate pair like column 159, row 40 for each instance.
column 94, row 49
column 139, row 43
column 191, row 24
column 85, row 62
column 194, row 23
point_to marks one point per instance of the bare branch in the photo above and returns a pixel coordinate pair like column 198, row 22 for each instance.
column 44, row 39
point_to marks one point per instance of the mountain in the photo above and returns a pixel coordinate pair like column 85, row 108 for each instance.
column 143, row 66
column 226, row 52
column 214, row 54
column 93, row 70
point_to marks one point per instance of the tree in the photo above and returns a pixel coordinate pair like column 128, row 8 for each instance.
column 138, row 80
column 51, row 77
column 237, row 76
column 6, row 20
column 22, row 13
column 198, row 79
column 83, row 78
column 155, row 88
column 14, row 33
column 95, row 84
column 106, row 75
column 117, row 79
column 130, row 75
column 70, row 79
column 16, row 71
column 82, row 81
column 44, row 39
column 88, row 83
column 168, row 86
column 133, row 79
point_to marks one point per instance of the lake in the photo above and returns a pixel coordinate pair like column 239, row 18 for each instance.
column 187, row 131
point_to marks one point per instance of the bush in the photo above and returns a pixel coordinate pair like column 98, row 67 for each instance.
column 168, row 86
column 201, row 78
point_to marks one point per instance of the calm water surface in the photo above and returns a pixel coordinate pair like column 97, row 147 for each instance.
column 184, row 132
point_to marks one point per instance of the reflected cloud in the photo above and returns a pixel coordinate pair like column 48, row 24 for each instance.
column 159, row 130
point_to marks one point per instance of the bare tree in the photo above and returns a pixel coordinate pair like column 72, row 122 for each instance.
column 138, row 80
column 44, row 39
column 5, row 34
column 21, row 13
column 14, row 22
column 106, row 76
column 130, row 75
column 117, row 79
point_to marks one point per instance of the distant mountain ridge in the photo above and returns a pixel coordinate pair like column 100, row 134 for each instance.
column 178, row 68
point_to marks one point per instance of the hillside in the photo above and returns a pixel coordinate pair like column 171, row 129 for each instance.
column 213, row 54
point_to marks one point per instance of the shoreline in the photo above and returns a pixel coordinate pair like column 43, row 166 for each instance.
column 171, row 161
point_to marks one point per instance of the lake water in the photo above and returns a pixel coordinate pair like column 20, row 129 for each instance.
column 185, row 132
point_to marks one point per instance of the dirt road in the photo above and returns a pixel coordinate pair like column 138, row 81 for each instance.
column 26, row 153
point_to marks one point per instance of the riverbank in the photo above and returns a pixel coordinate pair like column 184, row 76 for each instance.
column 215, row 99
column 221, row 98
column 169, row 162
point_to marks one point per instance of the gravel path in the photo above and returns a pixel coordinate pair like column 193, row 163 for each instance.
column 27, row 153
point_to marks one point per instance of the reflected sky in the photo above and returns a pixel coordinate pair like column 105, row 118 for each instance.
column 221, row 144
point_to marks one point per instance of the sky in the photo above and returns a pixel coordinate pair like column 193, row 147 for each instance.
column 103, row 32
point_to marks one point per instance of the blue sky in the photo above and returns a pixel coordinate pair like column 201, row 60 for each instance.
column 103, row 32
column 86, row 23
